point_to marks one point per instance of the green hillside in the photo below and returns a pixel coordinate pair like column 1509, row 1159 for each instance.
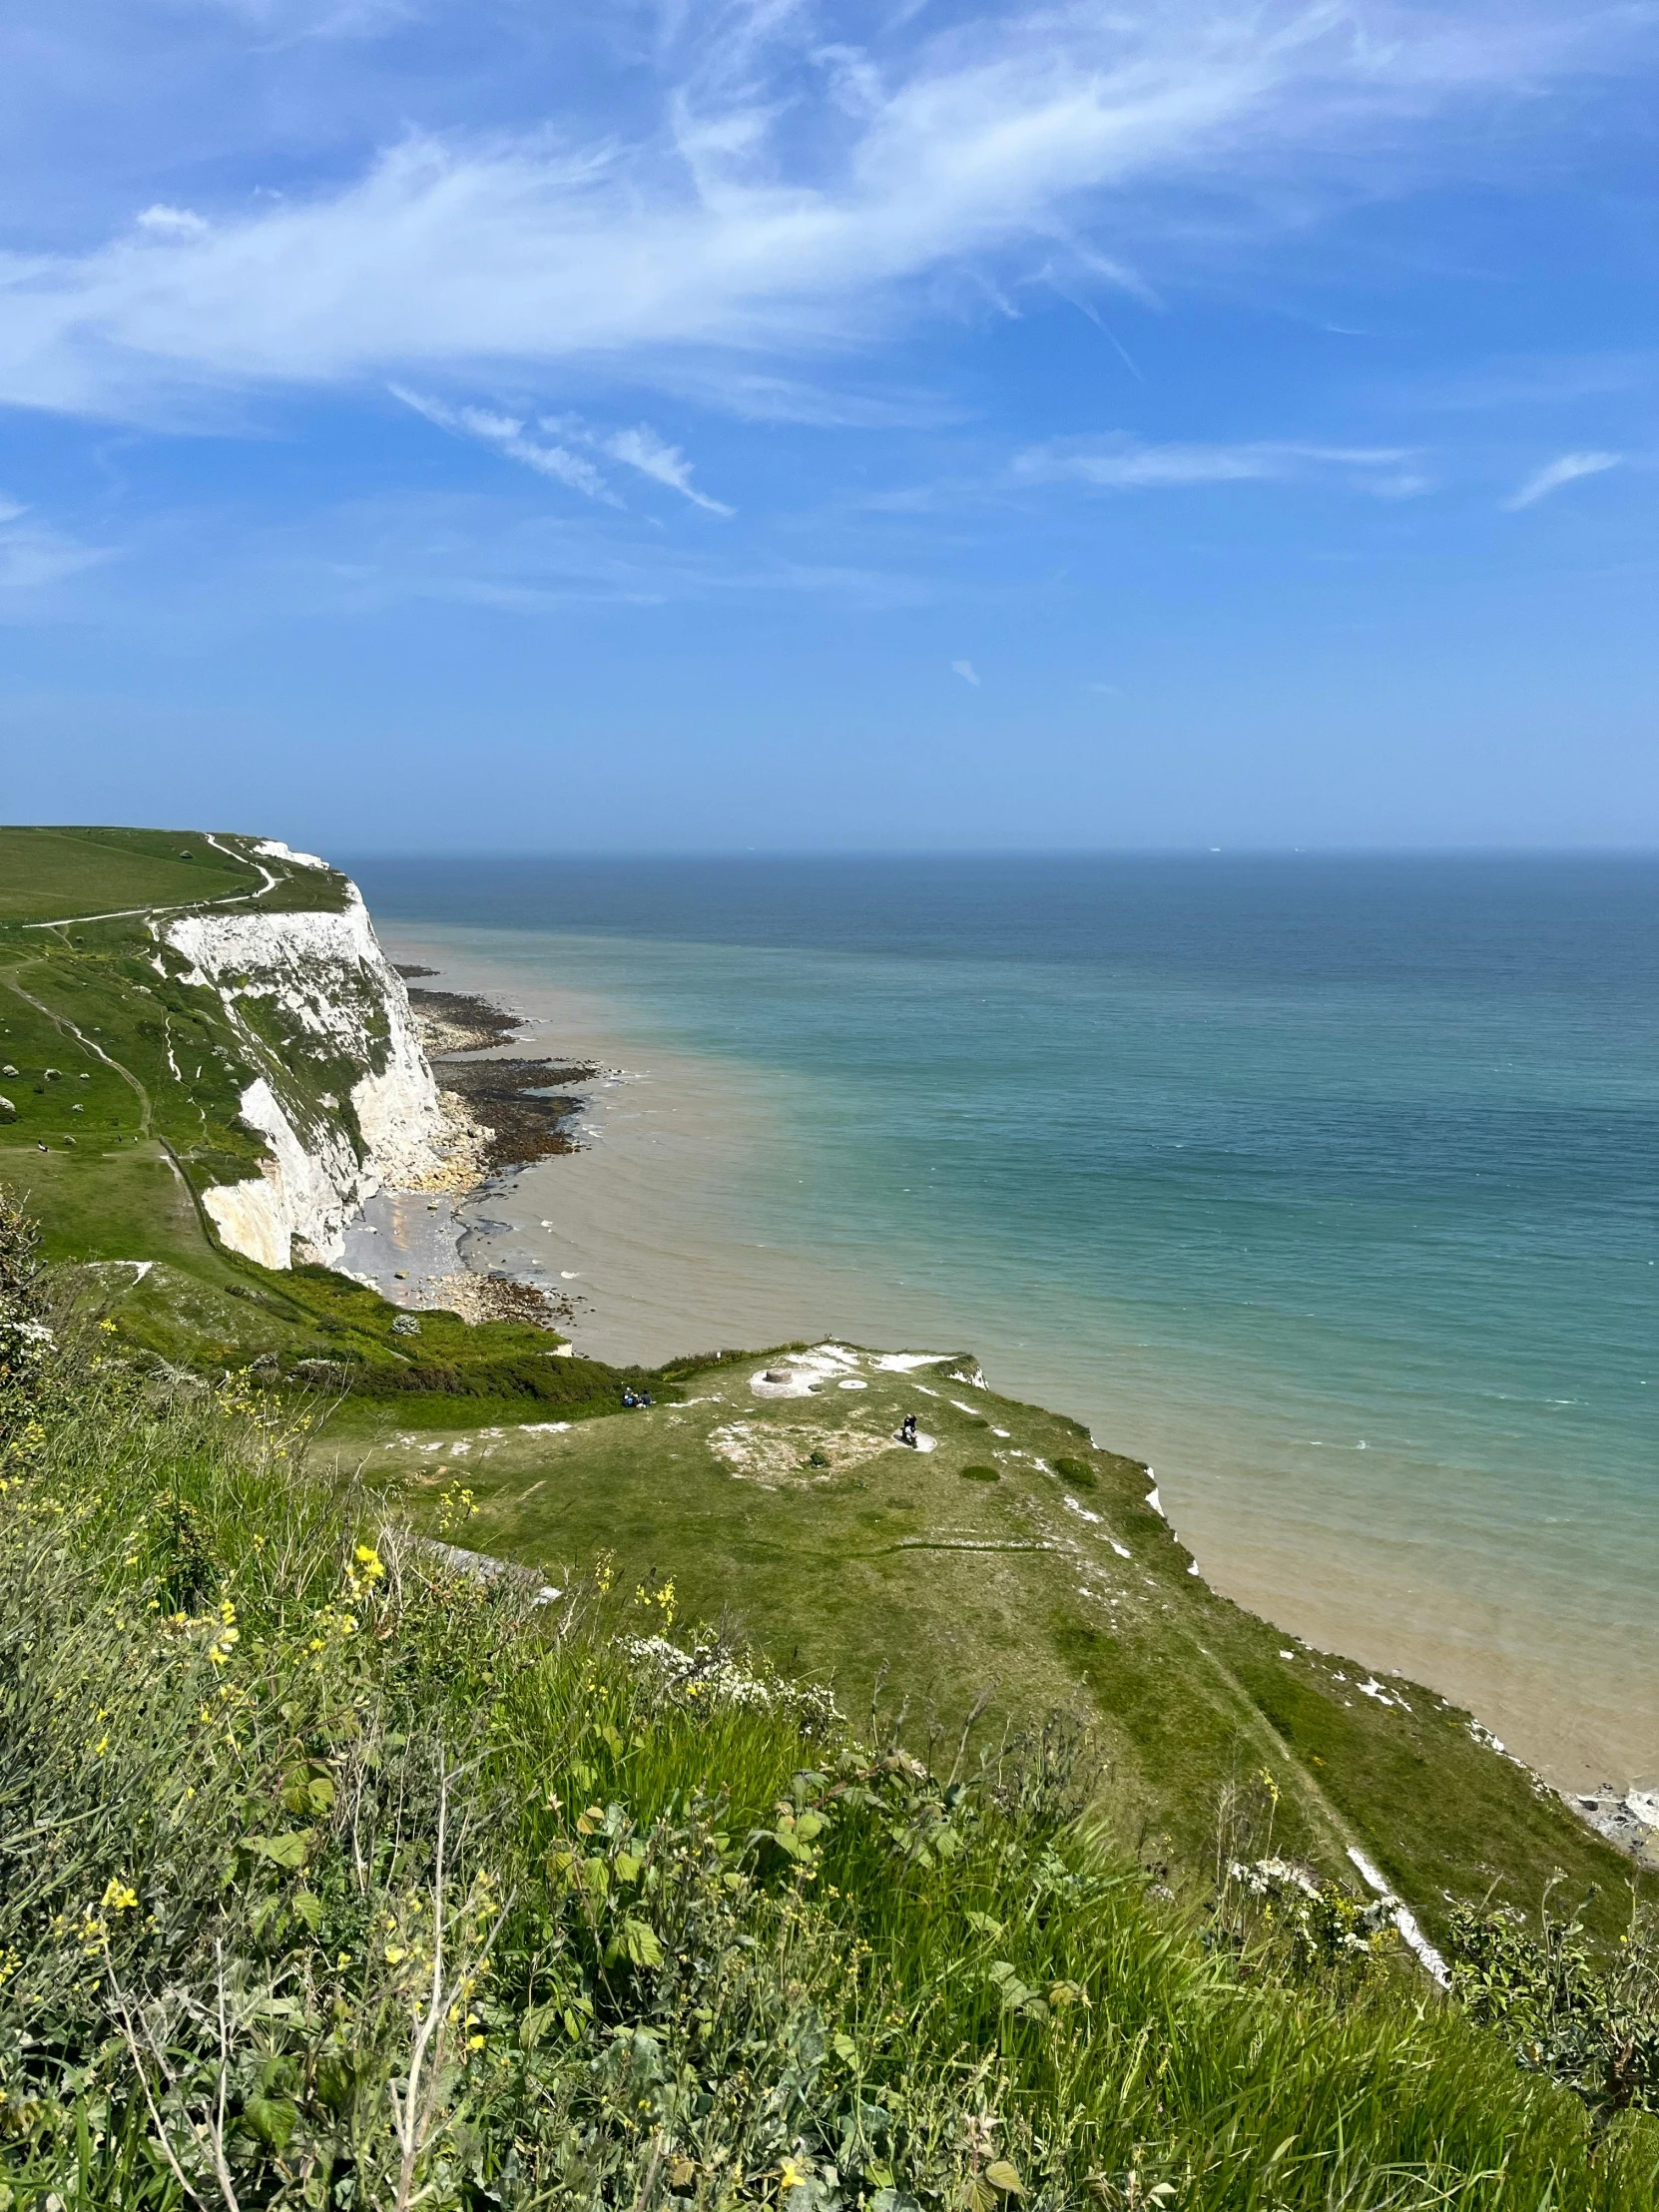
column 1011, row 1571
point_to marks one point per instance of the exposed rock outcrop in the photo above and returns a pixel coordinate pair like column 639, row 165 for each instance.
column 341, row 1088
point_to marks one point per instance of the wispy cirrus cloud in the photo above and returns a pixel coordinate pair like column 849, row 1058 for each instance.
column 506, row 434
column 1124, row 463
column 783, row 192
column 653, row 456
column 639, row 449
column 1567, row 470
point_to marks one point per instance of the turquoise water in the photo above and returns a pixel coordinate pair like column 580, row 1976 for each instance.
column 1328, row 1187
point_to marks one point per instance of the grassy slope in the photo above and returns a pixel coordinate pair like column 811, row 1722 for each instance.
column 758, row 1970
column 892, row 1565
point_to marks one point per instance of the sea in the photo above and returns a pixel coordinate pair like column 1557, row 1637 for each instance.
column 1328, row 1186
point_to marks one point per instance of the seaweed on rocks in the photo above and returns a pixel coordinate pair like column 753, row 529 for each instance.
column 524, row 1104
column 458, row 1021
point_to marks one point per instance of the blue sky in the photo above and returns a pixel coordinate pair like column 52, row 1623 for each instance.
column 678, row 425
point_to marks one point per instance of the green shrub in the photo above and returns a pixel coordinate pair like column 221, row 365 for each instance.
column 1562, row 2007
column 1076, row 1470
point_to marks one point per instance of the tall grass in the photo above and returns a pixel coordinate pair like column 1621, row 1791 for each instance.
column 332, row 1877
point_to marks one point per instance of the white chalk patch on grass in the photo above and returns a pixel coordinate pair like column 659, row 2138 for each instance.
column 542, row 1427
column 1411, row 1934
column 1122, row 1550
column 1193, row 1567
column 903, row 1362
column 1156, row 1503
column 1082, row 1512
column 1287, row 1655
column 797, row 1374
column 1003, row 1432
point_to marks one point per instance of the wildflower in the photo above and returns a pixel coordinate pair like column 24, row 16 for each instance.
column 119, row 1897
column 791, row 2175
column 369, row 1560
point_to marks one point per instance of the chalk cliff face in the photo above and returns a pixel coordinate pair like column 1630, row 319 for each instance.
column 339, row 1086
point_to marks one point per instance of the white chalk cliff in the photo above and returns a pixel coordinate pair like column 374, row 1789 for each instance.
column 339, row 1087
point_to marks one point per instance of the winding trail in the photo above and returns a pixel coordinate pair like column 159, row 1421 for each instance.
column 63, row 1022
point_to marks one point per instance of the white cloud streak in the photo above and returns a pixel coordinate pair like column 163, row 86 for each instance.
column 786, row 196
column 967, row 671
column 506, row 434
column 1567, row 470
column 1122, row 464
column 643, row 450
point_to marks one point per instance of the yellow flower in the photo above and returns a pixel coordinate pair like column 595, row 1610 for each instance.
column 119, row 1898
column 791, row 2175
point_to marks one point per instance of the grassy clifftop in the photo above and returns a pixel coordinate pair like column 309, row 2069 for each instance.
column 1016, row 1569
column 119, row 1074
column 62, row 875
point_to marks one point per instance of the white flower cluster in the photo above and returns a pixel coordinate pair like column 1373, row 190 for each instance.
column 708, row 1674
column 23, row 1343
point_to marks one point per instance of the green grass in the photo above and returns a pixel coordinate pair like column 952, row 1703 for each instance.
column 53, row 874
column 889, row 1575
column 48, row 873
column 258, row 1745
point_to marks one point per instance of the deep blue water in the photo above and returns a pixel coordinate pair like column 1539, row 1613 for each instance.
column 1330, row 1184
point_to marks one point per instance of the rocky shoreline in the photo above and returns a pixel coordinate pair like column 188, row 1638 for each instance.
column 514, row 1109
column 501, row 1111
